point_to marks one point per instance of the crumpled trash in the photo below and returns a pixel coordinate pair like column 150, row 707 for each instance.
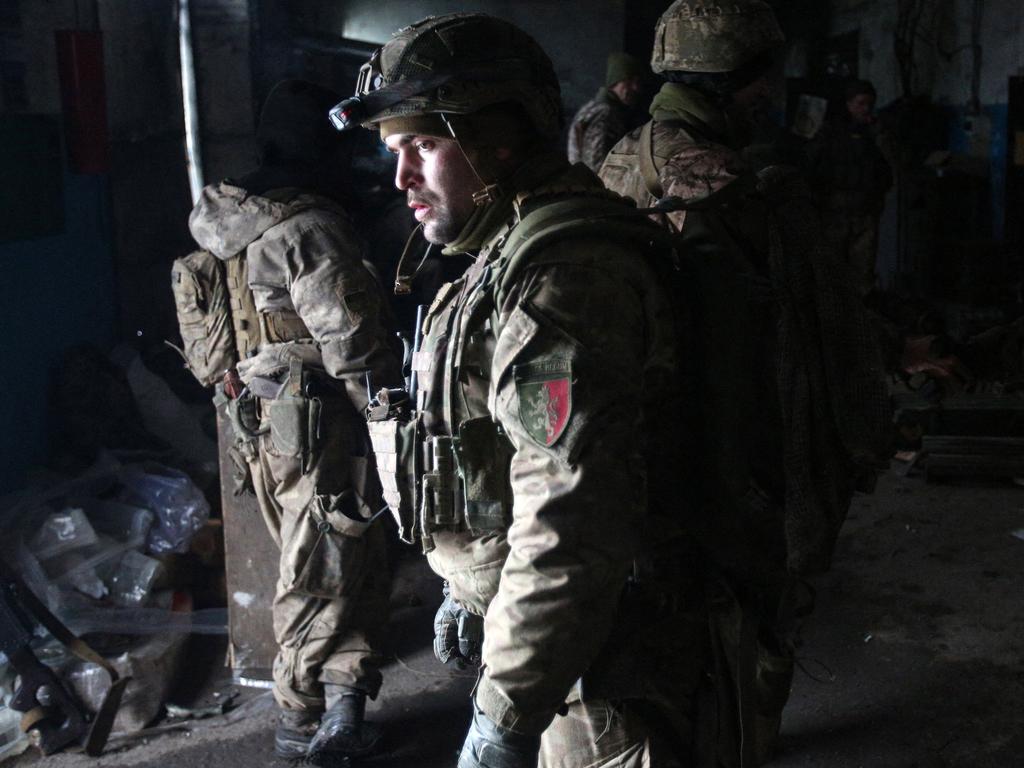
column 132, row 579
column 153, row 666
column 180, row 507
column 62, row 532
column 12, row 740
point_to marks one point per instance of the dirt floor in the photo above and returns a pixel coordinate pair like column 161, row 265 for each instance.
column 914, row 658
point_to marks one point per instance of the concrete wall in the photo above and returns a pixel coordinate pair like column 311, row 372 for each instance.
column 945, row 64
column 945, row 67
column 105, row 277
column 149, row 181
column 58, row 289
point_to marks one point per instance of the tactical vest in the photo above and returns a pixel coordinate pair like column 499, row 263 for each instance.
column 447, row 466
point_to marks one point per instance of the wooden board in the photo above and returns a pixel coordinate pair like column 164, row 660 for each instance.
column 250, row 558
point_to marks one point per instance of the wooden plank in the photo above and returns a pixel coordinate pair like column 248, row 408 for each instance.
column 250, row 558
column 951, row 465
column 973, row 445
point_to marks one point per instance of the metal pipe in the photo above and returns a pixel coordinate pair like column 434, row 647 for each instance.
column 193, row 152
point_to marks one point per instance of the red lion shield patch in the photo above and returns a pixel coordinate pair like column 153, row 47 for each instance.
column 545, row 399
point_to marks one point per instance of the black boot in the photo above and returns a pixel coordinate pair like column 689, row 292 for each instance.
column 295, row 731
column 343, row 732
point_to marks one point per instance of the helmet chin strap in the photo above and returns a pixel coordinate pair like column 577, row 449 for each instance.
column 489, row 193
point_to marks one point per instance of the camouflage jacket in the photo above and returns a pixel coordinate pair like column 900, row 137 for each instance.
column 316, row 297
column 563, row 367
column 694, row 151
column 822, row 421
column 600, row 123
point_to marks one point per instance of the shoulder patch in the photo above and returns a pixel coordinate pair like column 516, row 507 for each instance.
column 544, row 389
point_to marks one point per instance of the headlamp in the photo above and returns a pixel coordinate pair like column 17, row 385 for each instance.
column 348, row 114
column 373, row 96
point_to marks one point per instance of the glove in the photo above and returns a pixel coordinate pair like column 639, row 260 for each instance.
column 490, row 746
column 458, row 634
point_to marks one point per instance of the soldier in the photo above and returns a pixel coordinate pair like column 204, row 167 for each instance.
column 604, row 120
column 536, row 467
column 853, row 177
column 286, row 294
column 716, row 63
column 794, row 402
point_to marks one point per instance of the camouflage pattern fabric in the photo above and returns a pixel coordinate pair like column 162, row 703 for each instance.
column 626, row 739
column 573, row 355
column 600, row 123
column 854, row 238
column 823, row 411
column 691, row 167
column 321, row 319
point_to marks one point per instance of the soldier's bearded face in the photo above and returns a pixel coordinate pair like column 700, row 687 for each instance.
column 438, row 181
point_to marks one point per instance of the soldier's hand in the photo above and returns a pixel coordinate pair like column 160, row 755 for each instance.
column 490, row 746
column 458, row 634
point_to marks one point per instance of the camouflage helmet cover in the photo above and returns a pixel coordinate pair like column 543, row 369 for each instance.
column 458, row 64
column 713, row 36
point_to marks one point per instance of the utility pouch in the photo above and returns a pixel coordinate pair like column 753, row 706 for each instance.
column 243, row 413
column 483, row 459
column 395, row 448
column 325, row 555
column 204, row 318
column 295, row 420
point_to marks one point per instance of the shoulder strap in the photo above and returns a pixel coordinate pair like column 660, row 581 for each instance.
column 578, row 215
column 648, row 163
column 244, row 317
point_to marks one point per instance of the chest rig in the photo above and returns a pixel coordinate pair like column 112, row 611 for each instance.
column 444, row 460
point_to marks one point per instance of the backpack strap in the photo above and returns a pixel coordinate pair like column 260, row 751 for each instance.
column 648, row 162
column 581, row 215
column 244, row 317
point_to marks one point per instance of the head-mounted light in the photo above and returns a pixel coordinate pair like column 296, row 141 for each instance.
column 374, row 96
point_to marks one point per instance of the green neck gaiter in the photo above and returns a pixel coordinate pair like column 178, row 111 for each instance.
column 678, row 102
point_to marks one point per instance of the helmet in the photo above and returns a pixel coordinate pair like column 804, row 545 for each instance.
column 288, row 129
column 712, row 36
column 455, row 64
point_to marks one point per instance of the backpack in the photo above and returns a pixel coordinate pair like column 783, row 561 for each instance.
column 201, row 301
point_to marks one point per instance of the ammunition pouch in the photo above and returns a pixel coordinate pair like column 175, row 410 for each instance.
column 434, row 483
column 293, row 413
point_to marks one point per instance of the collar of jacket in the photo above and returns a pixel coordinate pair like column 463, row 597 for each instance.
column 488, row 219
column 228, row 218
column 681, row 103
column 605, row 96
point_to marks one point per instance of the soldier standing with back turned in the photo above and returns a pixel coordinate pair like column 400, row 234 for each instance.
column 795, row 408
column 537, row 465
column 301, row 323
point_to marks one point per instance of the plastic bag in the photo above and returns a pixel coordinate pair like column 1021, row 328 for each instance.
column 62, row 532
column 179, row 505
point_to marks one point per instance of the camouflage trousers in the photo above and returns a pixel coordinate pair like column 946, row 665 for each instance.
column 606, row 734
column 854, row 236
column 331, row 602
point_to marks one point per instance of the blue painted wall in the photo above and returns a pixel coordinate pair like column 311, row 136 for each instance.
column 55, row 292
column 999, row 142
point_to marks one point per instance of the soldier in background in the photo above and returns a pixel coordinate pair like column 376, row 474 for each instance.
column 793, row 398
column 847, row 168
column 604, row 120
column 281, row 298
column 539, row 464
